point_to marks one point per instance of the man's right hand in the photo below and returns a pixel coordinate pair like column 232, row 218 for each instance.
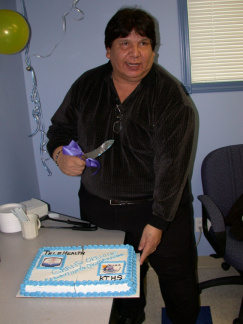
column 69, row 165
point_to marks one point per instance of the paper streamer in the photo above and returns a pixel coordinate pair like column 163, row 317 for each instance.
column 64, row 23
column 35, row 99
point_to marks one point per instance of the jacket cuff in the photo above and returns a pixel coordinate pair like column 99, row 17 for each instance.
column 51, row 147
column 159, row 222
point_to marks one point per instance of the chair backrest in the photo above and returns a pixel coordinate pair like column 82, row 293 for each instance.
column 222, row 176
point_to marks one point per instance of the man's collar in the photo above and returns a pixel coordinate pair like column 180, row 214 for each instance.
column 150, row 77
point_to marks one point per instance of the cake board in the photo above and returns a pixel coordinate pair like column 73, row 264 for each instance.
column 136, row 295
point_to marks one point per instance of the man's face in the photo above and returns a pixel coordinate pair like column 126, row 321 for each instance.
column 131, row 57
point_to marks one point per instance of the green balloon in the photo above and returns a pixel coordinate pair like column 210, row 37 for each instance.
column 14, row 32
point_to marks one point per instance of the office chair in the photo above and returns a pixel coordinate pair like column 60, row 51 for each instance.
column 222, row 181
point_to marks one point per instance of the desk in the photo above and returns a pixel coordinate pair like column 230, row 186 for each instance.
column 16, row 257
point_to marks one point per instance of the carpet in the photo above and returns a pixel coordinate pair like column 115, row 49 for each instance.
column 204, row 316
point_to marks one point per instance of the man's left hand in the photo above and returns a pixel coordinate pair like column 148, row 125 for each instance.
column 150, row 239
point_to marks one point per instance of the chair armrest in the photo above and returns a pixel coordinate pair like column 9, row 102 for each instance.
column 213, row 212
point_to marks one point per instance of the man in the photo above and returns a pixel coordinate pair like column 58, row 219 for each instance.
column 141, row 187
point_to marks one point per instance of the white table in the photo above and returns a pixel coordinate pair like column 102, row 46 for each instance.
column 16, row 256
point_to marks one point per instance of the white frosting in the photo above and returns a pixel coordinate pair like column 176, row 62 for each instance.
column 94, row 270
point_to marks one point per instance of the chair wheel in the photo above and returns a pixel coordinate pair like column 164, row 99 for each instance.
column 225, row 266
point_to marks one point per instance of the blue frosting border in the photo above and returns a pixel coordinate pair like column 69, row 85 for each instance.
column 131, row 278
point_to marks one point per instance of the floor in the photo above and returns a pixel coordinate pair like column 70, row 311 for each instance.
column 224, row 301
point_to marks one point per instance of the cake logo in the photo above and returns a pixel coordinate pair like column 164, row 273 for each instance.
column 111, row 267
column 51, row 261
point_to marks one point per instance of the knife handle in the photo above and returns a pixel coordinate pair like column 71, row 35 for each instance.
column 79, row 228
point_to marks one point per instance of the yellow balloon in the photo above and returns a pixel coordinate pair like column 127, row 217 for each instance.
column 14, row 32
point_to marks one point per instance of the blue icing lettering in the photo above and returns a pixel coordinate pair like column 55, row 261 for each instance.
column 58, row 271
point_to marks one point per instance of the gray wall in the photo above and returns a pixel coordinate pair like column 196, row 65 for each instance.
column 18, row 174
column 220, row 115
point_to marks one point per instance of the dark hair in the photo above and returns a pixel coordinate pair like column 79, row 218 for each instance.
column 127, row 19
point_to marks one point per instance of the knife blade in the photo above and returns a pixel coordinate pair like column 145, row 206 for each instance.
column 99, row 150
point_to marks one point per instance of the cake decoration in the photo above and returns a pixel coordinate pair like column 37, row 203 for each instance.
column 82, row 271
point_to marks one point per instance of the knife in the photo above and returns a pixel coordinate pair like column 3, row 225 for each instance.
column 77, row 225
column 74, row 228
column 99, row 150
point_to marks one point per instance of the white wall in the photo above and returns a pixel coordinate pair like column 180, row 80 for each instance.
column 18, row 176
column 220, row 114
